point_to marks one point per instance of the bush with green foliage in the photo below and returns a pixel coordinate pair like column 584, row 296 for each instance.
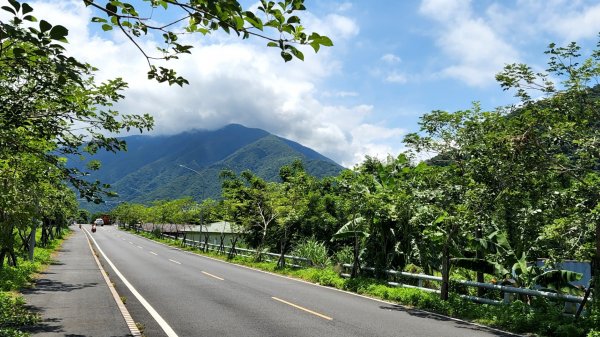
column 313, row 250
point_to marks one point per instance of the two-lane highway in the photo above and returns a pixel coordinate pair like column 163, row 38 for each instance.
column 190, row 295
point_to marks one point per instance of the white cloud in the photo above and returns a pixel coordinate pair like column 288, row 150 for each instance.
column 339, row 94
column 475, row 49
column 572, row 21
column 235, row 81
column 390, row 58
column 396, row 77
column 345, row 6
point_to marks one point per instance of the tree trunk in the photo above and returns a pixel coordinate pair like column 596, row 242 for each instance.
column 232, row 251
column 31, row 247
column 355, row 263
column 479, row 255
column 221, row 249
column 445, row 272
column 596, row 274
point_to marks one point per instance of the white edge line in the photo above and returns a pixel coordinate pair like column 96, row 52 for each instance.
column 334, row 289
column 175, row 261
column 157, row 317
column 122, row 308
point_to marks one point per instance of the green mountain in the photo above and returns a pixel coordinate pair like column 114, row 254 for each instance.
column 188, row 164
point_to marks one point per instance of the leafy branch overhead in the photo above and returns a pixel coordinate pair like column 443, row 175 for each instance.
column 50, row 98
column 276, row 23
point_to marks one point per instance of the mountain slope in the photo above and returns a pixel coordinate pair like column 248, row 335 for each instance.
column 152, row 169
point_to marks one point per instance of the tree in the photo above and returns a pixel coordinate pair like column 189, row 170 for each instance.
column 47, row 95
column 563, row 131
column 276, row 23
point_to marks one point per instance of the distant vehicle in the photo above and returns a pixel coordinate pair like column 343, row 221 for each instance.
column 106, row 219
column 99, row 222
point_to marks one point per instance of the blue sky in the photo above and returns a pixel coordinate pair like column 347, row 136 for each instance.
column 392, row 62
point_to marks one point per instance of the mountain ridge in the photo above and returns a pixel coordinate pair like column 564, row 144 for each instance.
column 189, row 163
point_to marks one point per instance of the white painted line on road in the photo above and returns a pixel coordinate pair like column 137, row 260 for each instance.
column 303, row 309
column 153, row 253
column 130, row 242
column 175, row 261
column 140, row 247
column 211, row 275
column 157, row 317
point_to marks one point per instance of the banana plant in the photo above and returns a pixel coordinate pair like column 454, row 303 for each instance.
column 355, row 229
column 522, row 274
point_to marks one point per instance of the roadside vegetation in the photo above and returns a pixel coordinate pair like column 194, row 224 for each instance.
column 500, row 189
column 14, row 316
column 541, row 317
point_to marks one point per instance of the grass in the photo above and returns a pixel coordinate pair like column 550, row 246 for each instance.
column 543, row 317
column 13, row 313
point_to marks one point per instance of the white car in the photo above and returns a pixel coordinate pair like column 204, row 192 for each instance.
column 99, row 222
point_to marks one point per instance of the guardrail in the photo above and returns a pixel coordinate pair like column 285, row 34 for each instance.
column 504, row 289
column 295, row 261
column 299, row 262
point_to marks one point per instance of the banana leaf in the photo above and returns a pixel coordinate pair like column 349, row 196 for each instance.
column 559, row 281
column 352, row 228
column 479, row 265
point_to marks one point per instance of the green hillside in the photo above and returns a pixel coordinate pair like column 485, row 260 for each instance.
column 152, row 169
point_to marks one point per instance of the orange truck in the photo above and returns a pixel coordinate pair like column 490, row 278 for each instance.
column 106, row 219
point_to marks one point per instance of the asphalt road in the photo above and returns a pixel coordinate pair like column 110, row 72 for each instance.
column 192, row 295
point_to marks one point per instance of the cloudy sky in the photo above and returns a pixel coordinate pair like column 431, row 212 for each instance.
column 392, row 62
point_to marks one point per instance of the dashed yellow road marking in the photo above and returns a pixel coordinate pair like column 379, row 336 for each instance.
column 303, row 309
column 211, row 275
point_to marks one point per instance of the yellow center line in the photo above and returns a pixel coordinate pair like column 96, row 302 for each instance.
column 211, row 275
column 303, row 309
column 175, row 261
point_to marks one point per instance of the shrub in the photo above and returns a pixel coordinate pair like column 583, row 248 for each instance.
column 344, row 255
column 313, row 250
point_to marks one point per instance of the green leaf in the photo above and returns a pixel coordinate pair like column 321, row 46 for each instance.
column 106, row 27
column 8, row 9
column 26, row 8
column 556, row 279
column 45, row 26
column 325, row 41
column 286, row 56
column 111, row 8
column 30, row 18
column 59, row 32
column 253, row 20
column 295, row 52
column 15, row 4
column 293, row 19
column 97, row 19
column 476, row 265
column 272, row 44
column 353, row 228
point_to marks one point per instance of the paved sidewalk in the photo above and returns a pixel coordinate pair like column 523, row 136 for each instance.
column 72, row 296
